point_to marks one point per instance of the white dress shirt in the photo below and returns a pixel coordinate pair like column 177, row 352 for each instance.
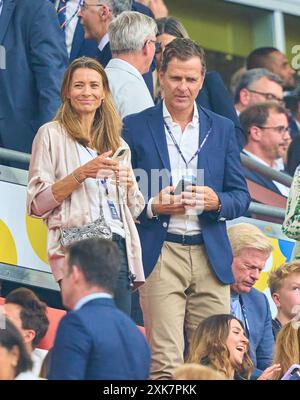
column 188, row 141
column 128, row 87
column 37, row 357
column 103, row 42
column 90, row 297
column 73, row 6
column 284, row 190
column 1, row 5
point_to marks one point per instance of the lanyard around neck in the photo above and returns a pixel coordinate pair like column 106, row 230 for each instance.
column 178, row 148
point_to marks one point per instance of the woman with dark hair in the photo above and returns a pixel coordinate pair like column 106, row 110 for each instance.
column 14, row 358
column 220, row 342
column 80, row 177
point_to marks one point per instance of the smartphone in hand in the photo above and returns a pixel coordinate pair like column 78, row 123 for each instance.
column 293, row 373
column 183, row 183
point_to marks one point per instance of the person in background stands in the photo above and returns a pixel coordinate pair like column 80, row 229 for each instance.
column 132, row 42
column 267, row 129
column 284, row 283
column 36, row 59
column 29, row 315
column 251, row 249
column 96, row 341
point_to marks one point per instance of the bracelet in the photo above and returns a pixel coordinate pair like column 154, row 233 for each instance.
column 77, row 179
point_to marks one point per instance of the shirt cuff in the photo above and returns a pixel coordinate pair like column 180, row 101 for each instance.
column 44, row 202
column 150, row 214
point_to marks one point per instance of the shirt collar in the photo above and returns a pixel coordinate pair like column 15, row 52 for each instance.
column 118, row 63
column 91, row 297
column 168, row 118
column 103, row 42
column 255, row 157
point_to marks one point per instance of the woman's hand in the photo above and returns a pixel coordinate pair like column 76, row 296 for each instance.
column 269, row 372
column 123, row 177
column 100, row 167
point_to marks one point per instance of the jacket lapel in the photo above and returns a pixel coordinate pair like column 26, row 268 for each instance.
column 205, row 128
column 156, row 125
column 5, row 17
column 77, row 40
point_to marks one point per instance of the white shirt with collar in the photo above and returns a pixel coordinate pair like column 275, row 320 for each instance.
column 37, row 357
column 128, row 87
column 284, row 190
column 90, row 297
column 188, row 142
column 73, row 7
column 103, row 42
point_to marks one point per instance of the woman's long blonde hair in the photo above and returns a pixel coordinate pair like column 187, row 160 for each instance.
column 107, row 125
column 287, row 348
column 208, row 346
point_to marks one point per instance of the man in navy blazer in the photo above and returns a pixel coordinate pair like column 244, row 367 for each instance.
column 96, row 341
column 186, row 253
column 36, row 58
column 267, row 129
column 251, row 249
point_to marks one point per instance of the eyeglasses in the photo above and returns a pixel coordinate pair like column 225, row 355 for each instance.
column 84, row 5
column 280, row 128
column 267, row 96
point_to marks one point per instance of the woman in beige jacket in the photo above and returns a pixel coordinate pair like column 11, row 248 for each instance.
column 73, row 179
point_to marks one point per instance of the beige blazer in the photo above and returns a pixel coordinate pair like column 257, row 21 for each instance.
column 54, row 156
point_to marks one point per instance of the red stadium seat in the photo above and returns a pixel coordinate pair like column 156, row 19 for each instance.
column 54, row 315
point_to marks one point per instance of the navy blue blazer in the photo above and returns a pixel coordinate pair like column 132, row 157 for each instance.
column 144, row 132
column 36, row 58
column 100, row 342
column 215, row 96
column 260, row 333
column 81, row 46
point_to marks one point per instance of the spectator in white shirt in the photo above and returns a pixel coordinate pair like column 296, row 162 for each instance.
column 132, row 39
column 28, row 314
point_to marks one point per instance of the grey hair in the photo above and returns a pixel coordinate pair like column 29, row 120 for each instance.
column 253, row 75
column 118, row 6
column 129, row 31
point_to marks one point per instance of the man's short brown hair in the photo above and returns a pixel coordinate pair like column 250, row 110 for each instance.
column 183, row 49
column 277, row 276
column 258, row 114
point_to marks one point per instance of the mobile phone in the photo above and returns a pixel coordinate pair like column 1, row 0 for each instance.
column 293, row 373
column 119, row 153
column 183, row 183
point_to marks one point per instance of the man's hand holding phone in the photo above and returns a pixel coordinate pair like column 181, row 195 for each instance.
column 201, row 198
column 167, row 203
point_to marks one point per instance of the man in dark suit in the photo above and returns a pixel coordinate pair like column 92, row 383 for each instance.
column 267, row 129
column 95, row 340
column 186, row 253
column 215, row 96
column 251, row 249
column 96, row 19
column 35, row 62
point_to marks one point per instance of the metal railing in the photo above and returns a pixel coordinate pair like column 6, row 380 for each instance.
column 14, row 156
column 268, row 172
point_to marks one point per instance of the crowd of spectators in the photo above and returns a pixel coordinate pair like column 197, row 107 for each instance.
column 72, row 74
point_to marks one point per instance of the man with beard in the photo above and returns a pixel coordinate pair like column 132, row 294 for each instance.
column 267, row 129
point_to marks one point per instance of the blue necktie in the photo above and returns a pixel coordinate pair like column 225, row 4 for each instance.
column 61, row 13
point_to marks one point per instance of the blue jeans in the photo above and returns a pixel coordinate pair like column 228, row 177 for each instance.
column 123, row 291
